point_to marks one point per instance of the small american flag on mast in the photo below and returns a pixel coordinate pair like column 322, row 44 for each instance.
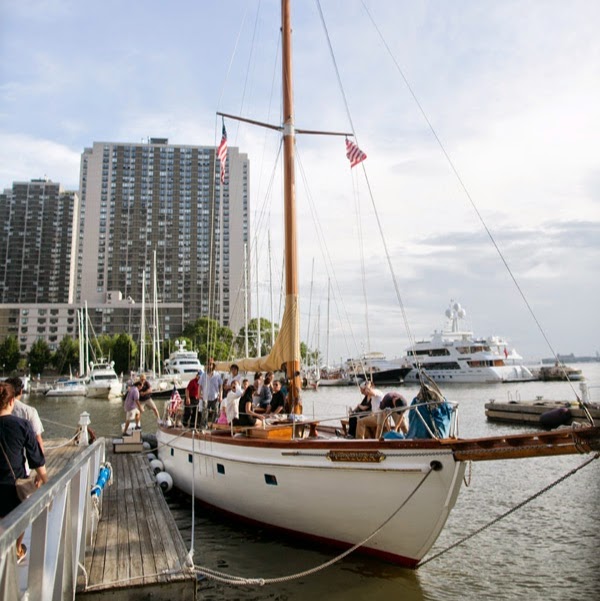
column 354, row 153
column 222, row 153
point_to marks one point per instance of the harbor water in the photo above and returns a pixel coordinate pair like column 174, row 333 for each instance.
column 547, row 550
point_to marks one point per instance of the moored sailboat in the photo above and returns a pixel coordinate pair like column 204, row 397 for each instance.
column 325, row 487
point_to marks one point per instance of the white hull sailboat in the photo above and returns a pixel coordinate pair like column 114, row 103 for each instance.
column 389, row 498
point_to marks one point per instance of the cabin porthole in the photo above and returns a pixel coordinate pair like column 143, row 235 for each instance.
column 190, row 458
column 172, row 452
column 270, row 479
column 220, row 468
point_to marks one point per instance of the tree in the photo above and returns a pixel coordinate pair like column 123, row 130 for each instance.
column 266, row 344
column 210, row 339
column 39, row 356
column 9, row 354
column 66, row 357
column 124, row 352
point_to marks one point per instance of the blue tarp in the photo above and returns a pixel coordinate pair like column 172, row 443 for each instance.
column 437, row 417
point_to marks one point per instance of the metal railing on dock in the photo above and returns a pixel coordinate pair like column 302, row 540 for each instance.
column 61, row 518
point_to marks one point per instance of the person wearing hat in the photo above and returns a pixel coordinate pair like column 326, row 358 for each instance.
column 146, row 397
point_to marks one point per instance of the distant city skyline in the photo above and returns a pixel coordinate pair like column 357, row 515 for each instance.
column 511, row 90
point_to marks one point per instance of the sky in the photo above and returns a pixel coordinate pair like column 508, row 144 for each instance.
column 489, row 158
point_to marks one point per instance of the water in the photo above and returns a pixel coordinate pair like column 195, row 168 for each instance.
column 547, row 550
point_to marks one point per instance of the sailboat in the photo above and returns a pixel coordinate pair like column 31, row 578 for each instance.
column 388, row 498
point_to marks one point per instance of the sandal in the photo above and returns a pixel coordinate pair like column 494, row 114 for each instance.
column 22, row 554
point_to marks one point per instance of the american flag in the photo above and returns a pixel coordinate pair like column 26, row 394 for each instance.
column 222, row 153
column 174, row 402
column 354, row 153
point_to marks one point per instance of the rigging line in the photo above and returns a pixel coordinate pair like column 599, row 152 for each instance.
column 239, row 580
column 329, row 267
column 471, row 201
column 211, row 290
column 399, row 297
column 539, row 493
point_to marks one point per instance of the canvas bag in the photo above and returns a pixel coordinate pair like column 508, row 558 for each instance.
column 25, row 486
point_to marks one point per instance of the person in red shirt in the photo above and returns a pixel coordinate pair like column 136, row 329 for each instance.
column 192, row 402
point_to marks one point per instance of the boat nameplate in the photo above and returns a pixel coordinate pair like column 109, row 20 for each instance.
column 356, row 456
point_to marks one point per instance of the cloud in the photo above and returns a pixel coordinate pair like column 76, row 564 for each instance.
column 23, row 158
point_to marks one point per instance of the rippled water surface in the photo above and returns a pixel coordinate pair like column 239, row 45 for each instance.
column 547, row 550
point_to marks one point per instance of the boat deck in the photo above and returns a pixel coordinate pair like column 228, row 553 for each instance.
column 137, row 553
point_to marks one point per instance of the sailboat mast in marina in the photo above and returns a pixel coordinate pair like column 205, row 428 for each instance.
column 316, row 483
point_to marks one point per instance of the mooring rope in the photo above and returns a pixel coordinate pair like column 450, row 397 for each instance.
column 512, row 510
column 242, row 581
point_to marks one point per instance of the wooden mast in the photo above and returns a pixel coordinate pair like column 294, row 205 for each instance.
column 289, row 196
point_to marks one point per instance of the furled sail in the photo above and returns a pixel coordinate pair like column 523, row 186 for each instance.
column 285, row 349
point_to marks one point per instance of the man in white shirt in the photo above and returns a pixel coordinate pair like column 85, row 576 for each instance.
column 212, row 393
column 232, row 406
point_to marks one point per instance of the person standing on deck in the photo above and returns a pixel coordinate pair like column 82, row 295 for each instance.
column 146, row 397
column 133, row 408
column 231, row 402
column 212, row 392
column 234, row 376
column 192, row 402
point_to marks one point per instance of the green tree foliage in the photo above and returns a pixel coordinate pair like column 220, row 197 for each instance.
column 66, row 357
column 39, row 356
column 9, row 354
column 210, row 339
column 265, row 338
column 103, row 346
column 124, row 352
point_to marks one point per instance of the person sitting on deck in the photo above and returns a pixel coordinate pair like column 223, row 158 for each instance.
column 265, row 395
column 367, row 426
column 278, row 400
column 362, row 407
column 391, row 406
column 432, row 414
column 247, row 415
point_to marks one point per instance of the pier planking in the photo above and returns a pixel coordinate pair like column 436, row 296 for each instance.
column 138, row 553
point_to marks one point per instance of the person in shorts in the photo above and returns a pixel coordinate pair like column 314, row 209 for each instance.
column 146, row 397
column 133, row 408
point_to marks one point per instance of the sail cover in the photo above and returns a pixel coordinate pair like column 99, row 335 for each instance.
column 286, row 347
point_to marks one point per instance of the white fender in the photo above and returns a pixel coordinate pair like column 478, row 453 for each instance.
column 151, row 457
column 146, row 445
column 165, row 481
column 157, row 466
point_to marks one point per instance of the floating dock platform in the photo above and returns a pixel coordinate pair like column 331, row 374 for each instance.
column 138, row 552
column 529, row 412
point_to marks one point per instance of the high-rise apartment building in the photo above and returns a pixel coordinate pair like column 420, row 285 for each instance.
column 155, row 198
column 39, row 226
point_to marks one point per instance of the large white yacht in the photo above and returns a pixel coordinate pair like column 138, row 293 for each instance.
column 183, row 363
column 455, row 355
column 102, row 380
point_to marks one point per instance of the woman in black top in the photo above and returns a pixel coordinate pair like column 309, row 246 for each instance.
column 247, row 415
column 17, row 441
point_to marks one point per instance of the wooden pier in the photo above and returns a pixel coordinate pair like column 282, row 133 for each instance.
column 125, row 547
column 138, row 553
